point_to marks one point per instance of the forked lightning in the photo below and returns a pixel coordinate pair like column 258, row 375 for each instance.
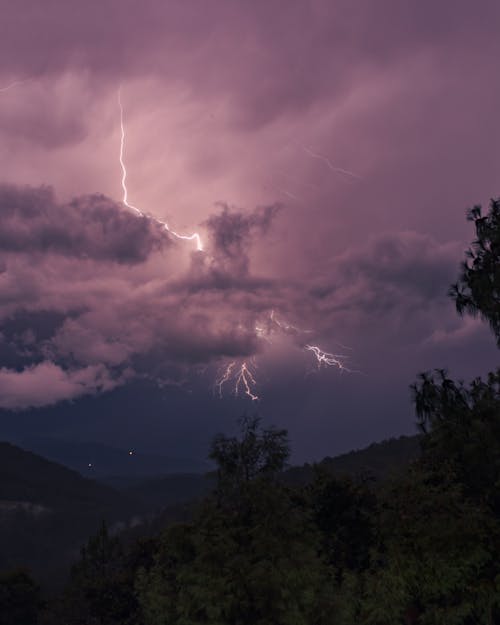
column 187, row 237
column 242, row 379
column 325, row 359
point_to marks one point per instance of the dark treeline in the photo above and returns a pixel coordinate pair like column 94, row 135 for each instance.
column 419, row 547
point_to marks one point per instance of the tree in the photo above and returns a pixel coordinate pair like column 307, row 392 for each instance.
column 19, row 598
column 462, row 430
column 436, row 562
column 101, row 588
column 440, row 557
column 259, row 453
column 251, row 555
column 345, row 513
column 477, row 291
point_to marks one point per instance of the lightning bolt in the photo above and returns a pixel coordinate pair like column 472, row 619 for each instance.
column 289, row 194
column 325, row 359
column 186, row 237
column 285, row 326
column 224, row 378
column 243, row 379
column 329, row 164
column 14, row 84
column 262, row 333
column 246, row 380
column 241, row 376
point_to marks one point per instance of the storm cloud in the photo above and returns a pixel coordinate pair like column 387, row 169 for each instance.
column 123, row 295
column 240, row 121
column 93, row 226
column 127, row 301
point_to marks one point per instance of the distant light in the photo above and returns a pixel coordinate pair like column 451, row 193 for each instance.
column 90, row 464
column 130, row 453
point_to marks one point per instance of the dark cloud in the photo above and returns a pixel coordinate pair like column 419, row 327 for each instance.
column 86, row 290
column 231, row 233
column 252, row 102
column 89, row 301
column 93, row 226
column 272, row 61
column 394, row 270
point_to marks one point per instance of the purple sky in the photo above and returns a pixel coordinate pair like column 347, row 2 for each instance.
column 325, row 151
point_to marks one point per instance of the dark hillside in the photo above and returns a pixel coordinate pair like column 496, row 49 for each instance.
column 47, row 511
column 378, row 460
column 25, row 476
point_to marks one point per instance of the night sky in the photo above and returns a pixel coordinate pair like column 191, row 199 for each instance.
column 324, row 151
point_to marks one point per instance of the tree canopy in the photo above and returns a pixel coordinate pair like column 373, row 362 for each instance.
column 477, row 290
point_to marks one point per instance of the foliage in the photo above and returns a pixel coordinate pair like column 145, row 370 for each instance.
column 462, row 426
column 251, row 558
column 101, row 588
column 477, row 291
column 19, row 598
column 344, row 511
column 258, row 453
column 436, row 559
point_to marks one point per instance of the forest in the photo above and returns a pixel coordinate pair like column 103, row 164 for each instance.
column 419, row 546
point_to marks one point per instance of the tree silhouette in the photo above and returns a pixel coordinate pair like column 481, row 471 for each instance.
column 251, row 555
column 477, row 291
column 20, row 600
column 258, row 453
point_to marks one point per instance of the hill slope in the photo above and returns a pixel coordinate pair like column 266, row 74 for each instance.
column 47, row 511
column 378, row 460
column 105, row 460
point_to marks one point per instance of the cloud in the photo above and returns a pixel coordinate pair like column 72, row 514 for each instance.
column 87, row 284
column 89, row 288
column 230, row 234
column 92, row 226
column 48, row 117
column 394, row 270
column 466, row 330
column 228, row 105
column 272, row 62
column 46, row 383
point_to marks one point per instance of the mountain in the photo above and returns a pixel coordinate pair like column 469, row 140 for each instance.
column 172, row 489
column 97, row 461
column 47, row 511
column 378, row 460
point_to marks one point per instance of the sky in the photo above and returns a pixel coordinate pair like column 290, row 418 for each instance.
column 324, row 152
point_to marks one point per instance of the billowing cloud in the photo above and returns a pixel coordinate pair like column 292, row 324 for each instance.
column 393, row 270
column 46, row 383
column 230, row 233
column 87, row 286
column 90, row 288
column 241, row 106
column 32, row 221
